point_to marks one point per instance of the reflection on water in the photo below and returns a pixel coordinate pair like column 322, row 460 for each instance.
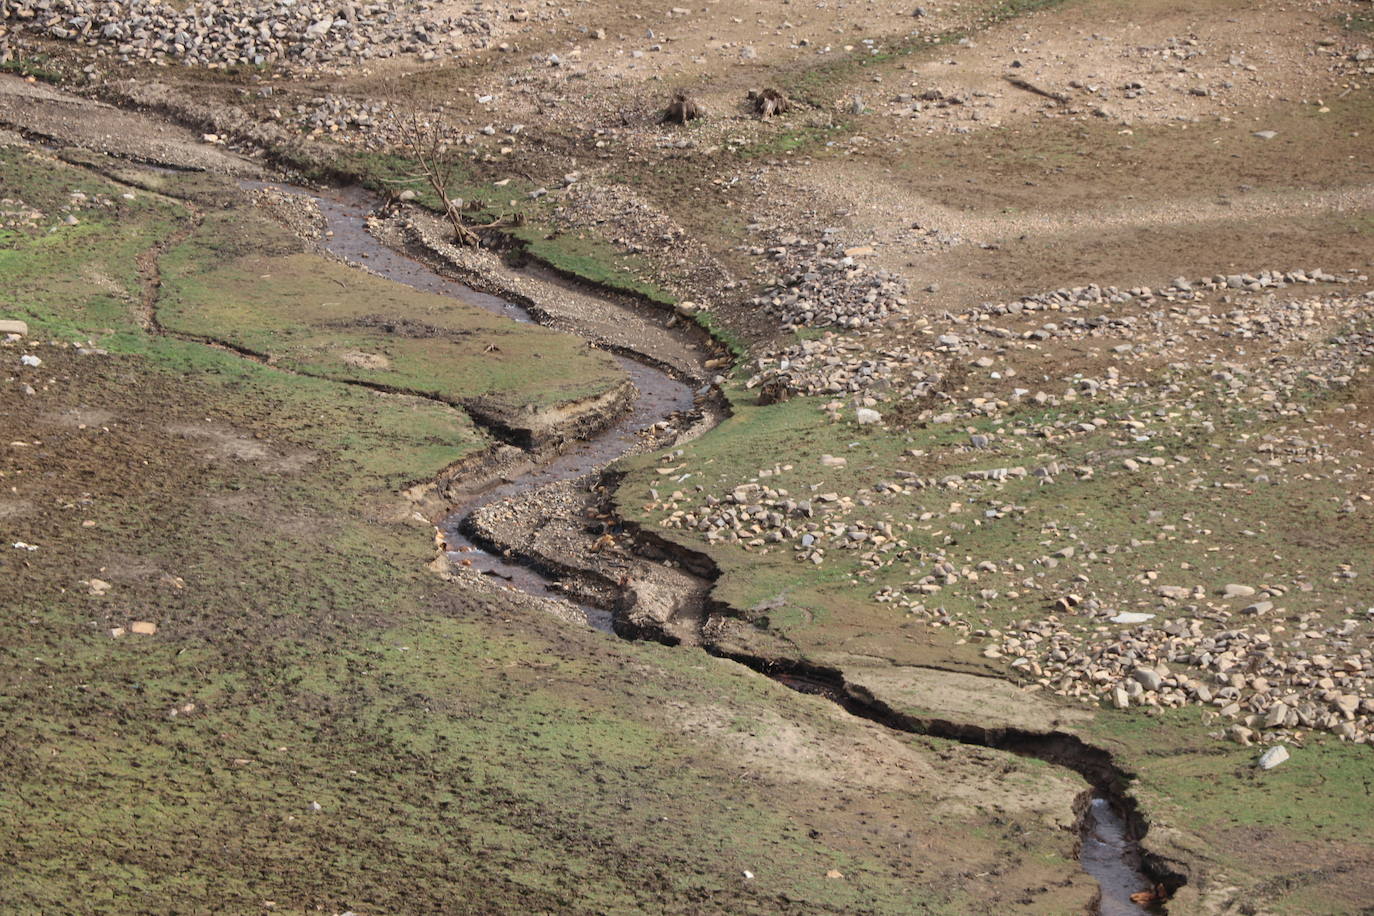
column 1110, row 855
column 659, row 395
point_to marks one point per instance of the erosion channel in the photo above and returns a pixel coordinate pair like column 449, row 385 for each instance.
column 670, row 386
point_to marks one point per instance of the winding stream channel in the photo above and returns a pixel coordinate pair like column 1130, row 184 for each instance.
column 659, row 396
column 1108, row 851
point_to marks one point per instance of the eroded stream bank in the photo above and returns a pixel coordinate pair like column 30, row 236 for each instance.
column 1109, row 851
column 658, row 397
column 1109, row 823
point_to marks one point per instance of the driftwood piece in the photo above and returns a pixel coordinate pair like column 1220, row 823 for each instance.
column 1028, row 86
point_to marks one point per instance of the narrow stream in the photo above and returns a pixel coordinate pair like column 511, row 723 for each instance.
column 1108, row 852
column 1110, row 856
column 659, row 395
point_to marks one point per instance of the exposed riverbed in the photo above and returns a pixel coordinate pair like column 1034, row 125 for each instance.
column 658, row 396
column 1108, row 852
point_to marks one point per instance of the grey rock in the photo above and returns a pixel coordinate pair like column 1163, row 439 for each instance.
column 1148, row 678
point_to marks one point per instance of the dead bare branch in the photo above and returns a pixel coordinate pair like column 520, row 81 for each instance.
column 425, row 143
column 1028, row 86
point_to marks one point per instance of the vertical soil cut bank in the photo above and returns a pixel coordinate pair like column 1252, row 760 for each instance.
column 1109, row 819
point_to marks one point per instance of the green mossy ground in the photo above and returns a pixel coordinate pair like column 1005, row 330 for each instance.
column 1230, row 529
column 244, row 280
column 466, row 754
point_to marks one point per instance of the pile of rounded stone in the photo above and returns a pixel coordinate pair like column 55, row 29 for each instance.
column 1269, row 683
column 1179, row 289
column 883, row 371
column 827, row 286
column 754, row 515
column 301, row 214
column 223, row 33
column 334, row 113
column 837, row 364
column 1267, row 687
column 15, row 214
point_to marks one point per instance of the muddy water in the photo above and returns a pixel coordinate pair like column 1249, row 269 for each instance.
column 659, row 396
column 1108, row 853
column 1110, row 856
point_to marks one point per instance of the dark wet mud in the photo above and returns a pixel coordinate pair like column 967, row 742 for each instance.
column 1108, row 851
column 659, row 396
